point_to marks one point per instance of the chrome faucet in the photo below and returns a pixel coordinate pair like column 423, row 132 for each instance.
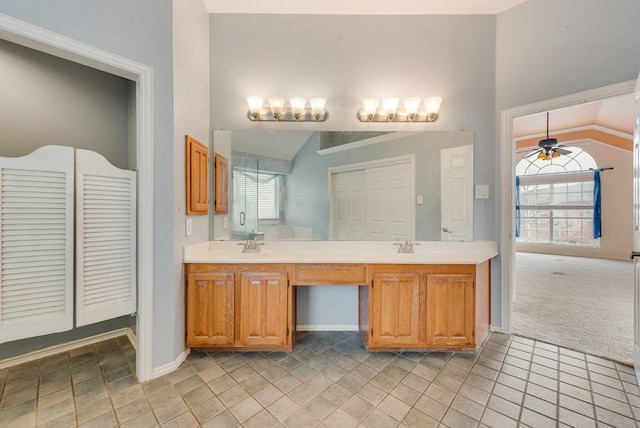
column 251, row 246
column 406, row 246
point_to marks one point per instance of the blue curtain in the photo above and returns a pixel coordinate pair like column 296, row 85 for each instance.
column 517, row 206
column 597, row 206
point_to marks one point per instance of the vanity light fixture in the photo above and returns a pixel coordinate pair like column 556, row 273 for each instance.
column 296, row 111
column 410, row 111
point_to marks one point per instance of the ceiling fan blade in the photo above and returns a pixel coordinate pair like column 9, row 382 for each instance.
column 562, row 151
column 534, row 152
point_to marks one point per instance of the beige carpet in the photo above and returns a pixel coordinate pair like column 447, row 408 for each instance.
column 580, row 303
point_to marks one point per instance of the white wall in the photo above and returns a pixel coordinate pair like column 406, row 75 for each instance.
column 617, row 206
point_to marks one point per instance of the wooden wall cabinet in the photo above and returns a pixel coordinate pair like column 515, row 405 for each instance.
column 197, row 177
column 221, row 185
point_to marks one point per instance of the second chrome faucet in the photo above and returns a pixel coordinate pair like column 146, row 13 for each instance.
column 406, row 246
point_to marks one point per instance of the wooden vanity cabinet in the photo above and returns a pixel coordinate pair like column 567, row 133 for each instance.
column 450, row 310
column 426, row 307
column 234, row 306
column 263, row 308
column 400, row 306
column 210, row 309
column 395, row 309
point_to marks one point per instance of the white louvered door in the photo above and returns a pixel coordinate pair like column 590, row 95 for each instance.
column 105, row 239
column 36, row 255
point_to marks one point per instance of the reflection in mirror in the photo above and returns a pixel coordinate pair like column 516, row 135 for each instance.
column 344, row 185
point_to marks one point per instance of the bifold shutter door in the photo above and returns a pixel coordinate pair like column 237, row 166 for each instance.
column 36, row 255
column 105, row 239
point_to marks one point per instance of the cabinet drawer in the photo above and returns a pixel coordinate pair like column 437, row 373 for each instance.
column 330, row 274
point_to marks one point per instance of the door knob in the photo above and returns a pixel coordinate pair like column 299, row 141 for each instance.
column 446, row 229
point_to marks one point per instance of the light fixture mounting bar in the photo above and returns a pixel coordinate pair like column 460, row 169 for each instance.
column 265, row 115
column 400, row 116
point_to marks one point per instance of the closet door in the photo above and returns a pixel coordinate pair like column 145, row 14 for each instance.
column 105, row 239
column 36, row 251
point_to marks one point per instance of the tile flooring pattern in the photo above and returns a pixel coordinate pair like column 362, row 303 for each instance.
column 329, row 380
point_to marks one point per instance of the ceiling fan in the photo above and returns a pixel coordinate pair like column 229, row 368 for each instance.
column 548, row 147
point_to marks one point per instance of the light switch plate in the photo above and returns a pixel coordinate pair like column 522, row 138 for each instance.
column 188, row 227
column 419, row 200
column 482, row 191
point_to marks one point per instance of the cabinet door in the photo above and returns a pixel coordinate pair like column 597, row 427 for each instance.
column 395, row 319
column 197, row 177
column 210, row 309
column 263, row 313
column 450, row 310
column 221, row 196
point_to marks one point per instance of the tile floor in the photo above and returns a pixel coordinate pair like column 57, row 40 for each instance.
column 328, row 380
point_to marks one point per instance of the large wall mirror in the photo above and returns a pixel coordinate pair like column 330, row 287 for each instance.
column 349, row 185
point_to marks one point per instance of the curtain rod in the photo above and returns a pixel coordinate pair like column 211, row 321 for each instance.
column 567, row 172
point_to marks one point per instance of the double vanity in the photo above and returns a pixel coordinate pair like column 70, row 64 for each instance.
column 435, row 297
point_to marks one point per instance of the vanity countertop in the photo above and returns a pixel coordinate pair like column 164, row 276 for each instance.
column 381, row 252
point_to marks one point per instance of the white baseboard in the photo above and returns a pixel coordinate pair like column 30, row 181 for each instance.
column 64, row 347
column 327, row 327
column 495, row 328
column 133, row 339
column 169, row 367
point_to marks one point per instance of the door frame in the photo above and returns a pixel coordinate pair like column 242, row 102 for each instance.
column 507, row 181
column 398, row 160
column 34, row 37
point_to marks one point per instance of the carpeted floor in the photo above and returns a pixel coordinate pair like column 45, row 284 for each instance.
column 580, row 303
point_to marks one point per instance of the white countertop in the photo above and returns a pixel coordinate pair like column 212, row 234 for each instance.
column 427, row 252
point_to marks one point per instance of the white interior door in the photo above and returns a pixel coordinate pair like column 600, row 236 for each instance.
column 349, row 197
column 36, row 245
column 105, row 239
column 388, row 203
column 373, row 201
column 636, row 233
column 456, row 189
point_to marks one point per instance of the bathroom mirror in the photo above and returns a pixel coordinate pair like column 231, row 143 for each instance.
column 288, row 184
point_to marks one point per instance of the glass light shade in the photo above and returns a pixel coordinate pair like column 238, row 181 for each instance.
column 276, row 104
column 411, row 104
column 432, row 104
column 370, row 106
column 390, row 105
column 317, row 105
column 297, row 105
column 255, row 104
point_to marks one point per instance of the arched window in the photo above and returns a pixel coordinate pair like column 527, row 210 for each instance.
column 555, row 199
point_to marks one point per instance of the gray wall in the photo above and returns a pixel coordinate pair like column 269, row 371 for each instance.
column 348, row 58
column 549, row 48
column 308, row 194
column 142, row 31
column 308, row 206
column 47, row 100
column 191, row 117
